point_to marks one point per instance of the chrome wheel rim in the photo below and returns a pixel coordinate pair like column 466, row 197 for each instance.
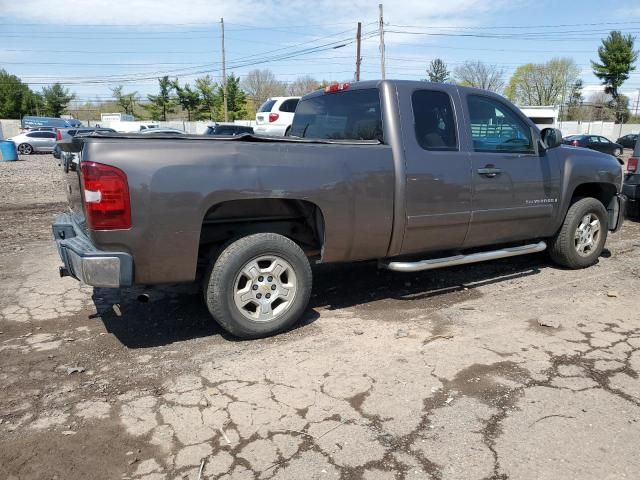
column 265, row 288
column 24, row 149
column 587, row 235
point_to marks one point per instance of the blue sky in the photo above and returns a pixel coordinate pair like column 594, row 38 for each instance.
column 93, row 45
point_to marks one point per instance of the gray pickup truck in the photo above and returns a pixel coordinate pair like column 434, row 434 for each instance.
column 414, row 175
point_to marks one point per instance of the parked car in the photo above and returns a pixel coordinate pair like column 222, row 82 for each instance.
column 628, row 141
column 34, row 142
column 594, row 142
column 412, row 174
column 631, row 186
column 227, row 129
column 275, row 116
column 162, row 131
column 67, row 133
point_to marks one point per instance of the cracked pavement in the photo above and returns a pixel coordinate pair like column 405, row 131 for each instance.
column 513, row 369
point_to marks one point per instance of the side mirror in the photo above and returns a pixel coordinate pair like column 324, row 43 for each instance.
column 551, row 137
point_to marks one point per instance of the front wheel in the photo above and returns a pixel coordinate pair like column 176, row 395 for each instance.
column 582, row 236
column 258, row 286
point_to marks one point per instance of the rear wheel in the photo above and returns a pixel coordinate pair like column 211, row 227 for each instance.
column 581, row 239
column 258, row 286
column 25, row 149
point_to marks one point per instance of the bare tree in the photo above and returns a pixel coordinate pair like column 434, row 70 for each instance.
column 302, row 85
column 480, row 75
column 543, row 84
column 262, row 84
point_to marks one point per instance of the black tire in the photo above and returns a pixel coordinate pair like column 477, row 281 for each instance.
column 221, row 284
column 562, row 247
column 287, row 132
column 25, row 149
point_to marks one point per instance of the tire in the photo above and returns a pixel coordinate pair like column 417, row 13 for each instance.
column 287, row 132
column 565, row 248
column 245, row 299
column 25, row 149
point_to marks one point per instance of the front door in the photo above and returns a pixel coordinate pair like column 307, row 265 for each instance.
column 438, row 172
column 515, row 190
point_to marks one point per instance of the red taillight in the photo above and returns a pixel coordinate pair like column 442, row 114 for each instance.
column 574, row 143
column 273, row 117
column 632, row 165
column 58, row 134
column 336, row 87
column 106, row 197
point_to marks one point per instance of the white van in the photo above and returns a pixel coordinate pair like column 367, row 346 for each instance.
column 275, row 116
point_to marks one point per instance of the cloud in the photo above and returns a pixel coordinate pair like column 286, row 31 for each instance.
column 266, row 12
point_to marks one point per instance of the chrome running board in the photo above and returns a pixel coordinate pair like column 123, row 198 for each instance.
column 462, row 259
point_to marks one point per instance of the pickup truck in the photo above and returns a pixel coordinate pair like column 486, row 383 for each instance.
column 413, row 175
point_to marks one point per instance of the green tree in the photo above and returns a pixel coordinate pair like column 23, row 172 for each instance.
column 126, row 101
column 15, row 96
column 162, row 104
column 188, row 99
column 56, row 99
column 209, row 101
column 574, row 102
column 542, row 84
column 617, row 61
column 236, row 98
column 437, row 71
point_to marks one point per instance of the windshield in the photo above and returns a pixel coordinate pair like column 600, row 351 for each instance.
column 350, row 115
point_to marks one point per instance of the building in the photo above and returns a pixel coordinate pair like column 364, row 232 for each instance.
column 543, row 117
column 116, row 117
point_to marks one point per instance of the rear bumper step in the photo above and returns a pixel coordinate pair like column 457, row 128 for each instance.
column 434, row 263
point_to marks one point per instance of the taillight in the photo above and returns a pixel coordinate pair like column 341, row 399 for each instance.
column 574, row 143
column 632, row 165
column 58, row 134
column 106, row 197
column 336, row 87
column 273, row 117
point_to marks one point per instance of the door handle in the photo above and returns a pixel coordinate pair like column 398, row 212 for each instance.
column 489, row 171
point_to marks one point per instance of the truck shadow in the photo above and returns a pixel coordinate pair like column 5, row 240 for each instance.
column 175, row 313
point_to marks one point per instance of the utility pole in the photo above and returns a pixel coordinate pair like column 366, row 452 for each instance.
column 381, row 28
column 358, row 59
column 224, row 76
column 637, row 102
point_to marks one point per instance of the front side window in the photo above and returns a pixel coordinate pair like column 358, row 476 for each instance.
column 434, row 121
column 347, row 115
column 497, row 128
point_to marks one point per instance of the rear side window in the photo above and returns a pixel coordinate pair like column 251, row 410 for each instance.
column 72, row 132
column 350, row 115
column 42, row 135
column 267, row 106
column 434, row 121
column 497, row 128
column 289, row 106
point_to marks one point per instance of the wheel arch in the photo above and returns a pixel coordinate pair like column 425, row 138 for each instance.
column 300, row 220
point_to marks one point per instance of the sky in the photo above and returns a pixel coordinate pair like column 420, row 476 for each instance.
column 93, row 45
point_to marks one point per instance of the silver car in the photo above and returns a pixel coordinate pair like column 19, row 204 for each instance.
column 32, row 142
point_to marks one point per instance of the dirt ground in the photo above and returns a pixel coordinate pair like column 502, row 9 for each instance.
column 514, row 369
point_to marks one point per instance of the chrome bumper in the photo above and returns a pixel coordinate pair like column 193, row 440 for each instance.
column 84, row 262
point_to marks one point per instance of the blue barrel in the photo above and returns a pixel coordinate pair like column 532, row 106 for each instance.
column 8, row 151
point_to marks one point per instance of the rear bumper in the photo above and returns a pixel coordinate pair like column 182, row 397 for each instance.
column 270, row 130
column 84, row 262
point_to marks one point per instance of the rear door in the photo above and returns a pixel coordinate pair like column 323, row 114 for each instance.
column 515, row 190
column 438, row 170
column 43, row 141
column 262, row 117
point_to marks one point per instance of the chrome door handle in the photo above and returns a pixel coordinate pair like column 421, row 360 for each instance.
column 489, row 171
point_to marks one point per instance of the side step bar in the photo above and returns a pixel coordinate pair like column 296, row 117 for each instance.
column 462, row 259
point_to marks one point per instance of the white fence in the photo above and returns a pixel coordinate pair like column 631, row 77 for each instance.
column 607, row 129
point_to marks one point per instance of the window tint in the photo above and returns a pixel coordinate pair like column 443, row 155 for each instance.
column 267, row 106
column 594, row 139
column 289, row 106
column 496, row 128
column 603, row 140
column 350, row 115
column 434, row 122
column 42, row 135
